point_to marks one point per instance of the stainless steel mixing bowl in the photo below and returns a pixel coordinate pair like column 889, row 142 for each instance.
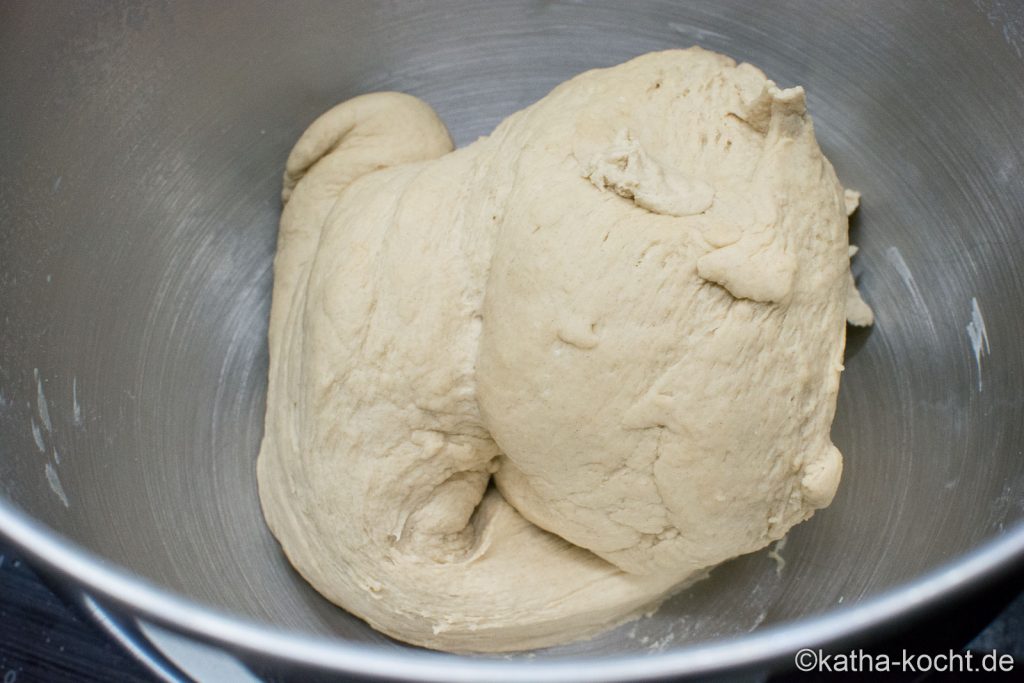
column 141, row 150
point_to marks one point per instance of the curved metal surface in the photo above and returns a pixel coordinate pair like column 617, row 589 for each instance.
column 141, row 147
column 765, row 648
column 125, row 634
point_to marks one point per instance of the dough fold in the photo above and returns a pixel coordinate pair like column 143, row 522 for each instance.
column 522, row 391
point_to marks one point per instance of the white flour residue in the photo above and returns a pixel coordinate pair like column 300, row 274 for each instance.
column 44, row 411
column 660, row 644
column 37, row 436
column 775, row 553
column 758, row 621
column 896, row 259
column 698, row 34
column 1004, row 16
column 76, row 409
column 979, row 337
column 54, row 481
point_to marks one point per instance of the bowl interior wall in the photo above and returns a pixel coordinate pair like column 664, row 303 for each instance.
column 142, row 149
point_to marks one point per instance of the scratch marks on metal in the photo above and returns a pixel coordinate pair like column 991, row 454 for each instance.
column 979, row 337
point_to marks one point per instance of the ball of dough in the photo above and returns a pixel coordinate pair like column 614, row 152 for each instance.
column 522, row 391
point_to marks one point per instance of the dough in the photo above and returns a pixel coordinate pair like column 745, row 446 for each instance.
column 522, row 391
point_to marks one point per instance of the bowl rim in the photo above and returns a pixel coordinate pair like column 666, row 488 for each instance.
column 137, row 596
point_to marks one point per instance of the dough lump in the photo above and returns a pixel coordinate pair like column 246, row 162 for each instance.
column 522, row 391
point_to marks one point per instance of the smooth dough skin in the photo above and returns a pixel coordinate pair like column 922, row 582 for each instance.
column 522, row 391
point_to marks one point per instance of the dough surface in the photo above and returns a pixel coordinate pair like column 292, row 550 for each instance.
column 522, row 391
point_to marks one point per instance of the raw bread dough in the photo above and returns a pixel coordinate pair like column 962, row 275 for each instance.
column 625, row 308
